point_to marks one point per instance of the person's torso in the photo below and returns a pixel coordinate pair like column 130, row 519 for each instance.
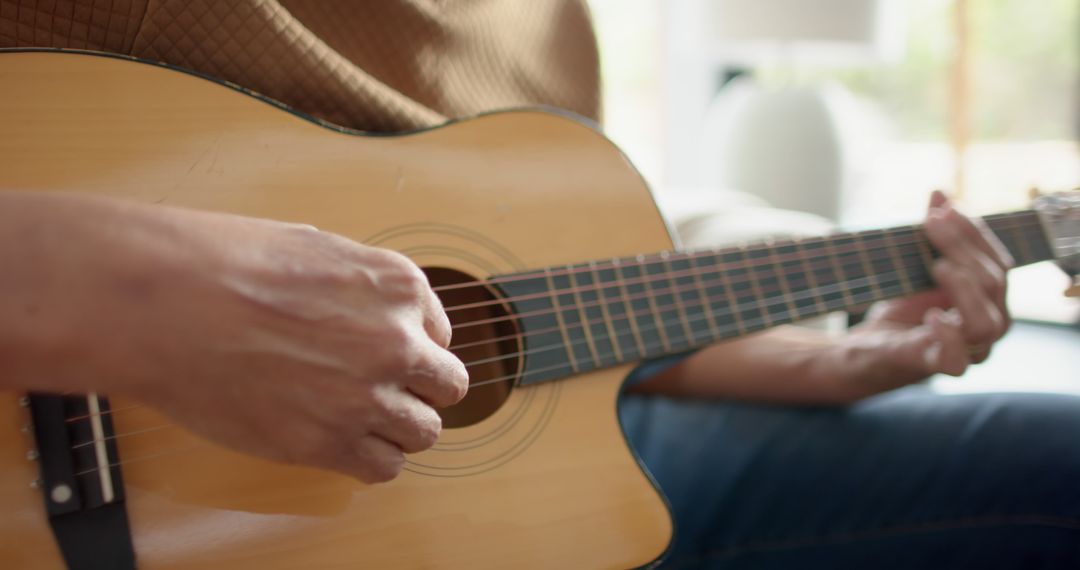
column 375, row 66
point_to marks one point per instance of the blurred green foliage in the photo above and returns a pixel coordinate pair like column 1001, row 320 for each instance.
column 1025, row 71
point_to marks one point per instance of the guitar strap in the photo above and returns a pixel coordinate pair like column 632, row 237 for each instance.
column 81, row 480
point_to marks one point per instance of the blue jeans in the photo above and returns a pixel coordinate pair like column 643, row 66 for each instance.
column 908, row 479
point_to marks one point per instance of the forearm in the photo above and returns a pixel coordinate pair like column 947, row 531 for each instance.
column 784, row 365
column 30, row 335
column 63, row 289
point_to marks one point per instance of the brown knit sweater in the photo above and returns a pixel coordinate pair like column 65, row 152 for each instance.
column 376, row 65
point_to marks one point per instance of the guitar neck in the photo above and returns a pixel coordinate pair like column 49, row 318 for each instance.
column 577, row 318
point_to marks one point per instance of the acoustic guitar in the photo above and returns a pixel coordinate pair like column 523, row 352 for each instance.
column 552, row 260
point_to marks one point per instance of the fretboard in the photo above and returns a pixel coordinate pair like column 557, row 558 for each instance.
column 581, row 317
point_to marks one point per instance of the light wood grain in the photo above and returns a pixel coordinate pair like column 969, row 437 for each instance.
column 557, row 489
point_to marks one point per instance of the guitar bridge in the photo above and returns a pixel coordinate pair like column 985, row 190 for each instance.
column 75, row 448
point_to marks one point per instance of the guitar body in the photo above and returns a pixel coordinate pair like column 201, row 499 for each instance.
column 546, row 481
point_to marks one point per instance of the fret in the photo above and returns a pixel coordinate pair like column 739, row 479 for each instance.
column 644, row 310
column 833, row 256
column 787, row 265
column 884, row 262
column 699, row 286
column 662, row 294
column 860, row 246
column 913, row 259
column 826, row 273
column 1025, row 249
column 1036, row 237
column 557, row 287
column 744, row 307
column 1038, row 241
column 678, row 269
column 628, row 309
column 891, row 245
column 723, row 305
column 585, row 311
column 927, row 254
column 544, row 335
column 609, row 322
column 814, row 290
column 597, row 314
column 856, row 278
column 759, row 282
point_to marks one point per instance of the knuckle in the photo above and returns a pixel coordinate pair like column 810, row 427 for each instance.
column 303, row 230
column 405, row 271
column 413, row 278
column 1006, row 324
column 998, row 328
column 1007, row 260
column 398, row 340
column 983, row 332
column 397, row 352
column 449, row 380
column 423, row 427
column 428, row 431
column 385, row 468
column 375, row 461
column 459, row 383
column 323, row 450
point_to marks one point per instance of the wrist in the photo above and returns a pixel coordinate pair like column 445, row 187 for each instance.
column 73, row 266
column 862, row 363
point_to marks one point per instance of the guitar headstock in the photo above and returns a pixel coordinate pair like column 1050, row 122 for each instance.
column 1060, row 216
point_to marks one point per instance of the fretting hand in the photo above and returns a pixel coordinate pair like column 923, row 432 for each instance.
column 940, row 331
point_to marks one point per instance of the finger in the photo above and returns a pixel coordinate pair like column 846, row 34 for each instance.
column 995, row 260
column 436, row 322
column 438, row 377
column 373, row 459
column 406, row 421
column 938, row 199
column 983, row 322
column 983, row 237
column 979, row 353
column 948, row 236
column 947, row 351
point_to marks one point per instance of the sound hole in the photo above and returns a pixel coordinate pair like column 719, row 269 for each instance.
column 489, row 350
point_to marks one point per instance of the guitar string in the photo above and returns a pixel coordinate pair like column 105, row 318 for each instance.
column 694, row 343
column 1020, row 217
column 747, row 262
column 105, row 413
column 204, row 442
column 1009, row 217
column 654, row 278
column 774, row 296
column 771, row 260
column 774, row 260
column 762, row 305
column 706, row 283
column 719, row 280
